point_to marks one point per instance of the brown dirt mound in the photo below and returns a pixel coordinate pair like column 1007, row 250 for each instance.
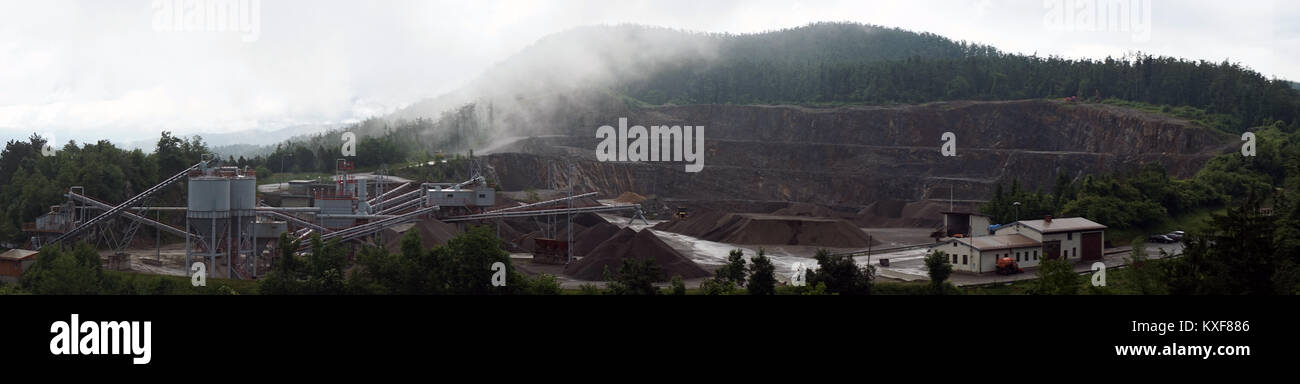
column 762, row 229
column 630, row 197
column 588, row 220
column 638, row 245
column 591, row 238
column 805, row 209
column 510, row 235
column 432, row 232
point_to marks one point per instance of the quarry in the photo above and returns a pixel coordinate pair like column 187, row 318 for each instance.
column 864, row 181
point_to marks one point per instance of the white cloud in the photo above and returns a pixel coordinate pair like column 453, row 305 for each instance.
column 87, row 70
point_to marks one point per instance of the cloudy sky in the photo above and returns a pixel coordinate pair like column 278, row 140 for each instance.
column 126, row 70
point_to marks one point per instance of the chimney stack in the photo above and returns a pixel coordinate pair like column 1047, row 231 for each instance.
column 1047, row 219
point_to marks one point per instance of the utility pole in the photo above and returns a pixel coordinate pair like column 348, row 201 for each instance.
column 868, row 249
column 157, row 236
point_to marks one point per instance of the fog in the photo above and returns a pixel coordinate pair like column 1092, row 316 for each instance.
column 90, row 70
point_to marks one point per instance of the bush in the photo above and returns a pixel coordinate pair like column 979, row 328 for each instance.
column 1057, row 277
column 677, row 287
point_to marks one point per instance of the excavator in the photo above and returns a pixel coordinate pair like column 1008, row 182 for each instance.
column 1007, row 266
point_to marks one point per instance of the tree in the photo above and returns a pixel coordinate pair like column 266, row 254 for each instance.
column 636, row 277
column 734, row 271
column 939, row 267
column 1057, row 277
column 325, row 267
column 841, row 275
column 467, row 260
column 762, row 278
column 1146, row 278
column 283, row 279
column 65, row 272
column 1238, row 255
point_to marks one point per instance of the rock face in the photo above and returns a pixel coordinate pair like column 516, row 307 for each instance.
column 857, row 156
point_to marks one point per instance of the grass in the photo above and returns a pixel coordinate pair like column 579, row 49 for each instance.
column 1218, row 121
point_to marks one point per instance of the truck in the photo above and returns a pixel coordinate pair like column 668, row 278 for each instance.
column 1007, row 266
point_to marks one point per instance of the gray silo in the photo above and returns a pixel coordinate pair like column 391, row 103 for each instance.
column 207, row 221
column 243, row 219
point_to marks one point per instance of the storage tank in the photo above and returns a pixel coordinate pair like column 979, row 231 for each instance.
column 209, row 194
column 243, row 194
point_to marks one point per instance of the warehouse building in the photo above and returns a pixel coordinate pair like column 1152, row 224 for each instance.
column 980, row 254
column 1074, row 238
column 1027, row 242
column 967, row 224
column 14, row 262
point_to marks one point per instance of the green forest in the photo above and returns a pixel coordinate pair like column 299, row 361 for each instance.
column 855, row 63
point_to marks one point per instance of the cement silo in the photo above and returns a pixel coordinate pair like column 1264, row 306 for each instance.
column 207, row 221
column 243, row 219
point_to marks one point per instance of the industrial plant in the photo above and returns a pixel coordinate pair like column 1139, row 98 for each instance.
column 236, row 235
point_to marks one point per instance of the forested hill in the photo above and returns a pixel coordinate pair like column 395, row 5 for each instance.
column 838, row 63
column 848, row 63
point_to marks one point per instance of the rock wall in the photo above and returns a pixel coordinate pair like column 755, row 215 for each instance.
column 858, row 155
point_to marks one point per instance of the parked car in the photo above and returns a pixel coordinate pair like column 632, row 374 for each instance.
column 1174, row 236
column 1160, row 239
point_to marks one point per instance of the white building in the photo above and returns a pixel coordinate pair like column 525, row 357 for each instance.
column 1073, row 238
column 1027, row 242
column 980, row 254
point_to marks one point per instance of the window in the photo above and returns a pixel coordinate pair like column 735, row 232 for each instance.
column 963, row 259
column 482, row 195
column 1017, row 257
column 954, row 259
column 1069, row 236
column 449, row 195
column 1074, row 251
column 1035, row 255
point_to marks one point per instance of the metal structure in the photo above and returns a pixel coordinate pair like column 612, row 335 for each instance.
column 131, row 202
column 207, row 220
column 227, row 229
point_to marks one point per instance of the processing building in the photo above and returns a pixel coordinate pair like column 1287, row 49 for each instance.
column 1027, row 242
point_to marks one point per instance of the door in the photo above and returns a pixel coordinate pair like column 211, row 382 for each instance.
column 1091, row 246
column 1052, row 249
